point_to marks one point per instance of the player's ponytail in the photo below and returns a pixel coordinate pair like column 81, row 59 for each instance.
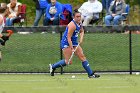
column 75, row 11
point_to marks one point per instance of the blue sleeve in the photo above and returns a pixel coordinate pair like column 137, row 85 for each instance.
column 47, row 12
column 59, row 9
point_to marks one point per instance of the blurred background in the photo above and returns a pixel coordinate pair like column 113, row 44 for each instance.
column 134, row 18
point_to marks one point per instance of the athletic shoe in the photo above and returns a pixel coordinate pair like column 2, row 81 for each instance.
column 94, row 76
column 52, row 73
column 5, row 38
column 2, row 42
column 51, row 70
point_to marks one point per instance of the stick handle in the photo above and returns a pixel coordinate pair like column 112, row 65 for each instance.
column 72, row 54
column 70, row 58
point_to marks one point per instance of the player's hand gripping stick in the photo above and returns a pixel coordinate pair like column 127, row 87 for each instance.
column 73, row 54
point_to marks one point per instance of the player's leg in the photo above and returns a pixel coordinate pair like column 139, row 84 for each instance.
column 85, row 64
column 67, row 53
column 3, row 39
column 6, row 37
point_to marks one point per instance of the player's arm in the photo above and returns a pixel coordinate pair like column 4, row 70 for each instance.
column 81, row 35
column 71, row 29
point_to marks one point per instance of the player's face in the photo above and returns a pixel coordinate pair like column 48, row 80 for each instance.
column 77, row 17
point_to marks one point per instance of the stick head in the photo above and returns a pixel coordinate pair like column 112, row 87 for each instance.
column 10, row 32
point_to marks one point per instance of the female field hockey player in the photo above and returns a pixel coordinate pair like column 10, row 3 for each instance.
column 3, row 38
column 69, row 43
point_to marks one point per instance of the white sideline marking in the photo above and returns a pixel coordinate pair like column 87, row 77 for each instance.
column 108, row 87
column 23, row 80
column 62, row 78
column 77, row 79
column 46, row 88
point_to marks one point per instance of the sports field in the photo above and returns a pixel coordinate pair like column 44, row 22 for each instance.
column 65, row 84
column 33, row 53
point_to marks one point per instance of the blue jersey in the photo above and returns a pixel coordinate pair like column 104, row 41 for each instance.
column 64, row 41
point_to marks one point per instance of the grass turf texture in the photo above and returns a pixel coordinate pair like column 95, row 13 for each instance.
column 104, row 51
column 66, row 84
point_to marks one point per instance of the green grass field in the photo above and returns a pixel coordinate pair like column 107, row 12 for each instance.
column 104, row 51
column 65, row 84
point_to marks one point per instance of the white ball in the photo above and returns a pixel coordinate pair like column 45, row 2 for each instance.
column 137, row 73
column 73, row 76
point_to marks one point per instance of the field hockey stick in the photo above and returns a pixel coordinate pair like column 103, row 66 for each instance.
column 10, row 32
column 73, row 54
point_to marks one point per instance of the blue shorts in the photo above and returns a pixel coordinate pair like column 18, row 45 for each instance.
column 65, row 44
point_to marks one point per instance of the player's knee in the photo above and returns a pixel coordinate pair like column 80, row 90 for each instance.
column 82, row 57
